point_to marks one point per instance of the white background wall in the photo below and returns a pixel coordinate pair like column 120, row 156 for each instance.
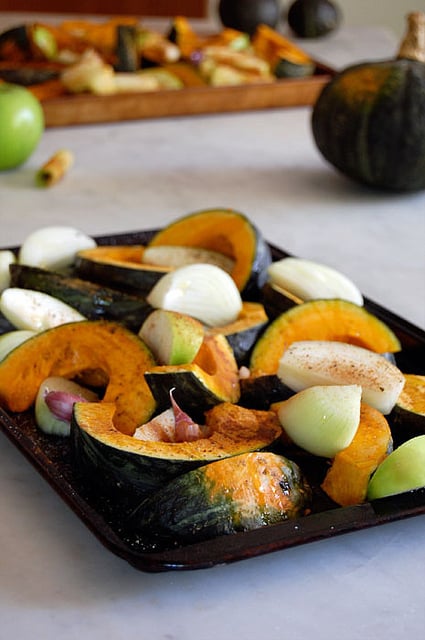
column 387, row 13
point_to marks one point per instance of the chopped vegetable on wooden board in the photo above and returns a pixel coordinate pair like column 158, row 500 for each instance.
column 123, row 55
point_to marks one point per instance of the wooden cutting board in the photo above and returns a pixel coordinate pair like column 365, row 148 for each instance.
column 89, row 109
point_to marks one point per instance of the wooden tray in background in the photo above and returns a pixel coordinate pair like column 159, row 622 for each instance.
column 89, row 109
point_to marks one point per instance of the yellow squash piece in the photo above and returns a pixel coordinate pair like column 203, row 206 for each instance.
column 347, row 480
column 71, row 349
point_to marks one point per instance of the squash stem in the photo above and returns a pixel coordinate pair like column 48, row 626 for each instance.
column 413, row 44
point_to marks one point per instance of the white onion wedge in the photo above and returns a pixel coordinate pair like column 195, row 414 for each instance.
column 322, row 420
column 54, row 402
column 320, row 362
column 12, row 339
column 202, row 291
column 6, row 258
column 53, row 248
column 34, row 310
column 312, row 281
column 177, row 256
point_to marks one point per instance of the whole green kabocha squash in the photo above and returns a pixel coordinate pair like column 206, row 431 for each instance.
column 369, row 121
column 246, row 15
column 313, row 18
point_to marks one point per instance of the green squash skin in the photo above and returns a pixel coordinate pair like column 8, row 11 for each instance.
column 289, row 69
column 379, row 139
column 124, row 476
column 258, row 278
column 246, row 15
column 135, row 279
column 260, row 260
column 18, row 36
column 191, row 394
column 313, row 18
column 243, row 342
column 93, row 301
column 194, row 508
column 126, row 49
column 263, row 391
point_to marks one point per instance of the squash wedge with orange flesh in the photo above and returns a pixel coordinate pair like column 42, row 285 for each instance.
column 337, row 320
column 241, row 493
column 119, row 266
column 409, row 411
column 70, row 349
column 128, row 467
column 347, row 480
column 212, row 378
column 228, row 232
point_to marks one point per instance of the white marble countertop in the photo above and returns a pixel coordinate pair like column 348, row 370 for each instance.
column 57, row 580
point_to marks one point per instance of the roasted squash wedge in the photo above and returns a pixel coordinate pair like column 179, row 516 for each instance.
column 338, row 320
column 347, row 480
column 225, row 231
column 409, row 411
column 244, row 331
column 210, row 379
column 119, row 463
column 94, row 301
column 285, row 58
column 242, row 493
column 69, row 350
column 118, row 266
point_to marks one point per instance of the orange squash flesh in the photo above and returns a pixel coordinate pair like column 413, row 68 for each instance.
column 336, row 320
column 347, row 480
column 214, row 367
column 223, row 230
column 67, row 351
column 234, row 430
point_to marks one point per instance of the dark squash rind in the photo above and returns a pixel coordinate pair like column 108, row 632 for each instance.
column 93, row 301
column 119, row 266
column 277, row 300
column 246, row 15
column 225, row 231
column 243, row 333
column 409, row 412
column 121, row 465
column 210, row 379
column 285, row 58
column 241, row 493
column 263, row 391
column 313, row 18
column 367, row 122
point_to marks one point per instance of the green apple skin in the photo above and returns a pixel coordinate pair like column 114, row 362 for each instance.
column 21, row 125
column 403, row 470
column 174, row 338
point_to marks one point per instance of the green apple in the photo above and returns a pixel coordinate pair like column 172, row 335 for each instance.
column 402, row 470
column 21, row 125
column 322, row 420
column 174, row 338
